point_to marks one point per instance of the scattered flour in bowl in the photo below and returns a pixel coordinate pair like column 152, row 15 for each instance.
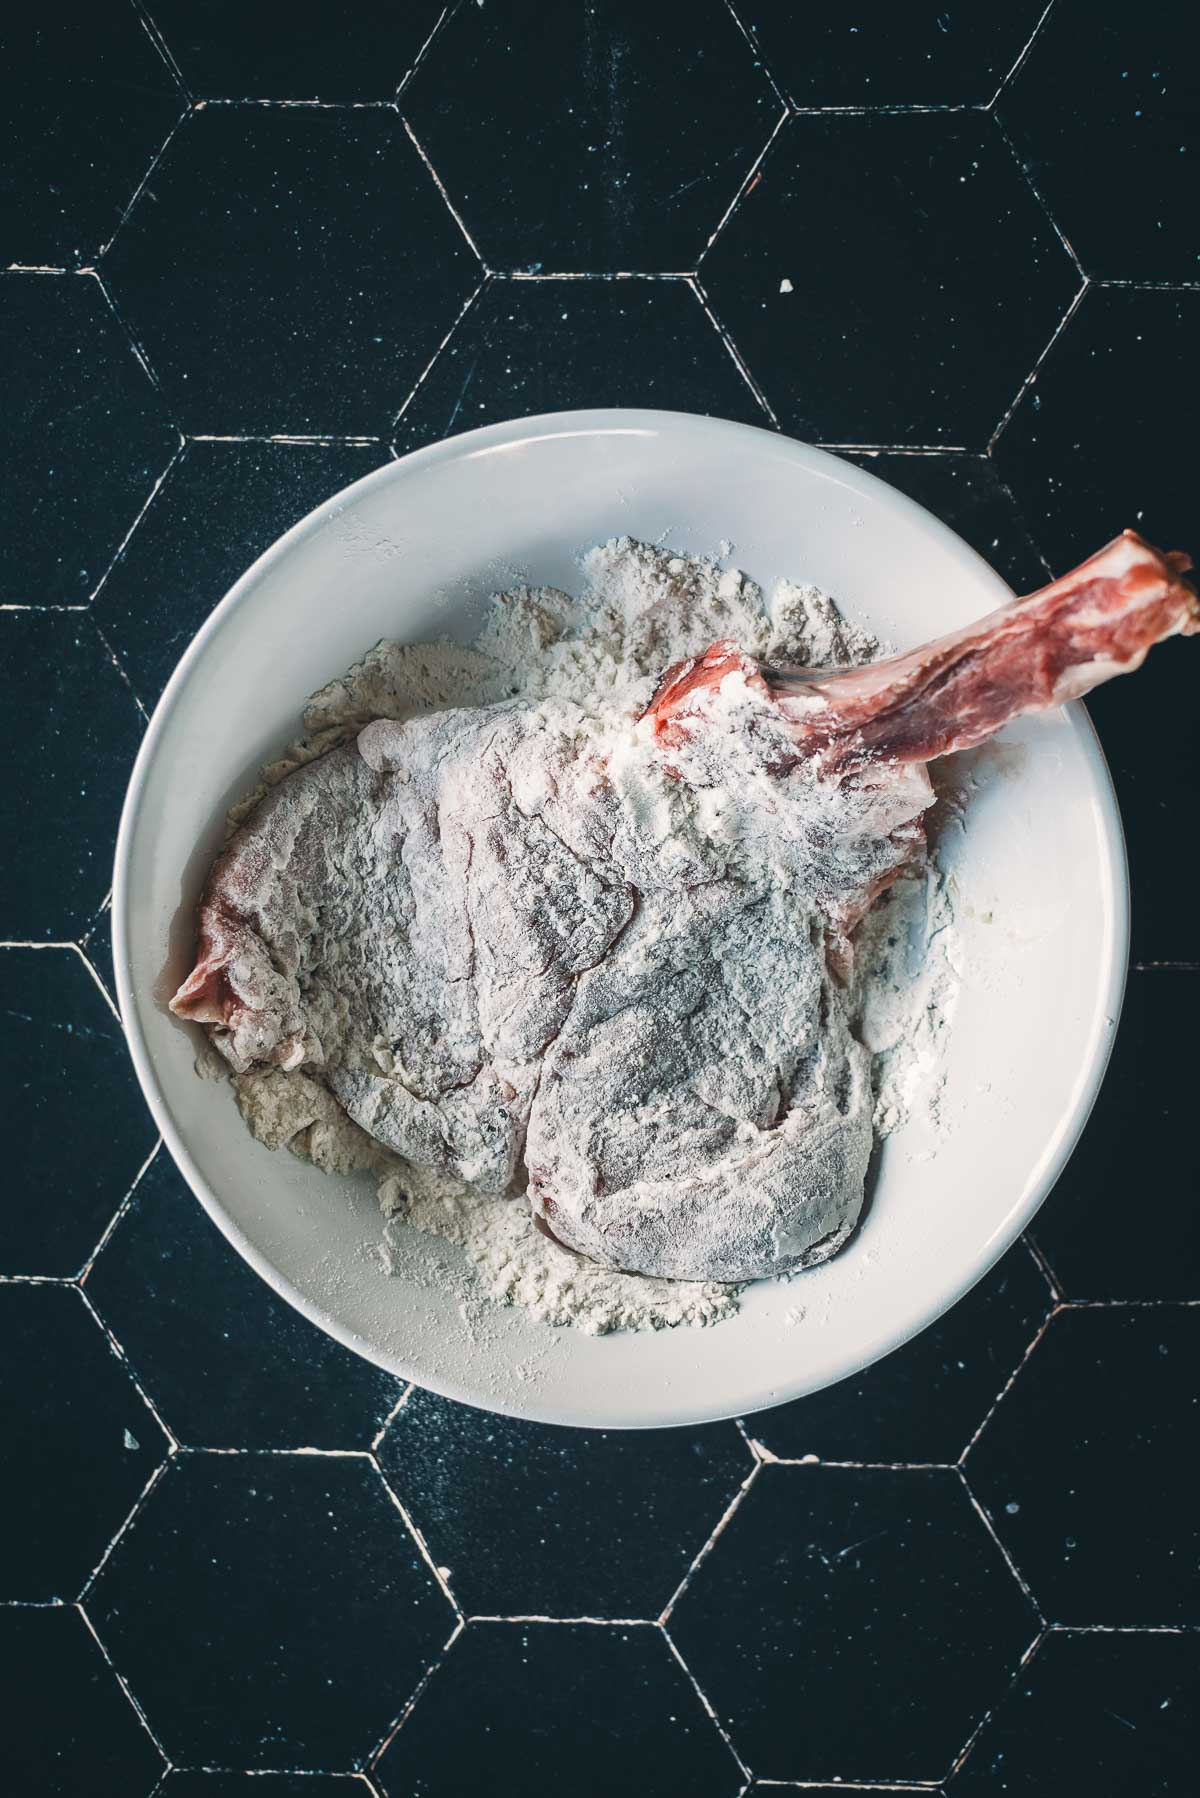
column 643, row 607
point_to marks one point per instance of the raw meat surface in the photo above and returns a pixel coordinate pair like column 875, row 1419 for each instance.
column 548, row 946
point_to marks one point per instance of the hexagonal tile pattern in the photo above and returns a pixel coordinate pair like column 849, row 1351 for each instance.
column 626, row 160
column 219, row 508
column 1094, row 1713
column 74, row 759
column 829, row 1584
column 553, row 1708
column 86, row 1130
column 923, row 1402
column 79, row 1443
column 890, row 278
column 1090, row 449
column 643, row 1500
column 294, row 271
column 271, row 51
column 1084, row 1228
column 88, row 112
column 890, row 52
column 968, row 494
column 1131, row 77
column 269, row 1607
column 228, row 1363
column 542, row 346
column 78, row 1732
column 1081, row 1471
column 77, row 472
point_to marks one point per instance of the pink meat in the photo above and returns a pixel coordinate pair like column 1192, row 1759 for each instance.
column 504, row 969
column 1055, row 645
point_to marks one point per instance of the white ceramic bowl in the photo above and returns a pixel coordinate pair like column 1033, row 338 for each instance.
column 414, row 551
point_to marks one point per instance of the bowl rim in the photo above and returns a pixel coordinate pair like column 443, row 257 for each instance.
column 612, row 421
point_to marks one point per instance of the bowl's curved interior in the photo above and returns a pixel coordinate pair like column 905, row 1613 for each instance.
column 413, row 552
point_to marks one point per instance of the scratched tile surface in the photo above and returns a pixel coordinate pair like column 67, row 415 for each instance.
column 249, row 253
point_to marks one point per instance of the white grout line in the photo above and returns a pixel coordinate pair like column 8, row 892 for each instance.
column 734, row 353
column 892, row 110
column 1018, row 509
column 1008, row 1560
column 439, row 1573
column 173, row 1443
column 722, row 1523
column 372, row 1760
column 423, row 51
column 161, row 45
column 756, row 50
column 391, row 1417
column 716, row 1722
column 118, row 1214
column 1122, row 1629
column 177, row 454
column 184, row 113
column 1043, row 1266
column 575, row 274
column 588, row 1622
column 139, row 1506
column 466, row 307
column 33, row 268
column 1051, row 1314
column 901, row 449
column 81, row 951
column 1129, row 1305
column 244, row 100
column 960, row 1758
column 121, row 669
column 120, row 1679
column 310, row 439
column 1148, row 286
column 14, row 606
column 749, row 180
column 1040, row 197
column 441, row 187
column 1036, row 370
column 133, row 342
column 1023, row 54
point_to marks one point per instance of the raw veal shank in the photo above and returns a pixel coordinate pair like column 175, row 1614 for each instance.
column 599, row 960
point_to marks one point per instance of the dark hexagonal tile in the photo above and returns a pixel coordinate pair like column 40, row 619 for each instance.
column 1115, row 1713
column 272, row 51
column 1129, row 136
column 923, row 1402
column 890, row 52
column 79, row 1443
column 228, row 1363
column 220, row 507
column 77, row 1731
column 70, row 723
column 542, row 346
column 292, row 270
column 1086, row 1471
column 85, row 1130
column 890, row 278
column 968, row 494
column 88, row 101
column 506, row 1506
column 1085, row 1229
column 84, row 438
column 1090, row 449
column 554, row 1708
column 625, row 159
column 265, row 1785
column 270, row 1610
column 852, row 1624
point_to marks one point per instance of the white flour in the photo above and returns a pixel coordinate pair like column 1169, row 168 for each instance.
column 645, row 608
